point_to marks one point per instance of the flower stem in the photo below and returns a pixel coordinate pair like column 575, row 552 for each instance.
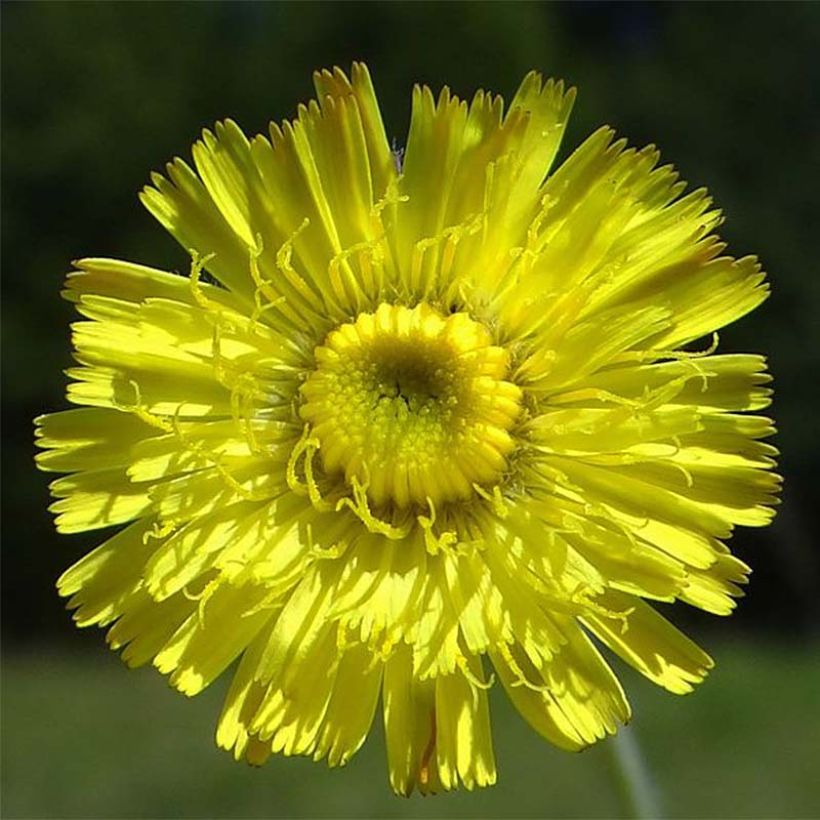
column 636, row 789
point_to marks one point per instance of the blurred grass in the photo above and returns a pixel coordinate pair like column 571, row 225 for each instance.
column 84, row 737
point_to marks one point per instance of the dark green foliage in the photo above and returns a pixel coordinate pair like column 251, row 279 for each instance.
column 88, row 738
column 95, row 95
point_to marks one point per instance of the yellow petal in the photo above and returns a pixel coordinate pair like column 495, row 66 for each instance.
column 647, row 641
column 88, row 439
column 227, row 619
column 103, row 580
column 409, row 726
column 94, row 499
column 464, row 747
column 352, row 706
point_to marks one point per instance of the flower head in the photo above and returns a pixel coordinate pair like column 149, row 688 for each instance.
column 415, row 430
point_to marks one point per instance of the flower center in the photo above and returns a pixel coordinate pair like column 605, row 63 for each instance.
column 412, row 405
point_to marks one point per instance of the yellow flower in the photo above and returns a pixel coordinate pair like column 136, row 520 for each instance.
column 422, row 420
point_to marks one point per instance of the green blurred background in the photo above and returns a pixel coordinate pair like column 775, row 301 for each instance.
column 95, row 95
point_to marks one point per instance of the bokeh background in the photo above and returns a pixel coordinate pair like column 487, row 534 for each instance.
column 95, row 95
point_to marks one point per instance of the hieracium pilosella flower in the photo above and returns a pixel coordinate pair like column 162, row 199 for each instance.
column 423, row 425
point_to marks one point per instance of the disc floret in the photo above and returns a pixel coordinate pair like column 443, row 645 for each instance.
column 413, row 404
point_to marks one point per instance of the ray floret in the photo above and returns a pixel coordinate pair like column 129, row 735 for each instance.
column 410, row 430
